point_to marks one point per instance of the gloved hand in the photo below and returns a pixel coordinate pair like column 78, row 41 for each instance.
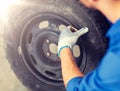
column 68, row 38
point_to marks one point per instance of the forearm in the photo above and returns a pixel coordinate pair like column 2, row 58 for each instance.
column 69, row 67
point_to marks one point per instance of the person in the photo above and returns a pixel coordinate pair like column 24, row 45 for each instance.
column 106, row 77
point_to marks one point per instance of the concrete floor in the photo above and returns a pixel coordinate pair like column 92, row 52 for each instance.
column 8, row 80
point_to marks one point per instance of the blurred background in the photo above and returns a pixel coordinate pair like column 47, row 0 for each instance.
column 8, row 81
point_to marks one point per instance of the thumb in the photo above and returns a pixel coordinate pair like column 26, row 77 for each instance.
column 81, row 32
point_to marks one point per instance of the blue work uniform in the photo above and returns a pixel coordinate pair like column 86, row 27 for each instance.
column 106, row 77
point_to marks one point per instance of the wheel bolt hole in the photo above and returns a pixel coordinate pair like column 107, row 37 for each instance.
column 61, row 27
column 53, row 48
column 76, row 51
column 44, row 24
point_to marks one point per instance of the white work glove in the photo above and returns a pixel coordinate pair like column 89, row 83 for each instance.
column 68, row 38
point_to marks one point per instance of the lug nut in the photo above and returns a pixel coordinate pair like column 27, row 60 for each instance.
column 47, row 41
column 48, row 54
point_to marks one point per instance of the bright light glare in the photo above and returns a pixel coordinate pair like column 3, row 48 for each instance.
column 6, row 3
column 4, row 7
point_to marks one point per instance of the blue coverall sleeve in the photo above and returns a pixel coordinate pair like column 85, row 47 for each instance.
column 106, row 77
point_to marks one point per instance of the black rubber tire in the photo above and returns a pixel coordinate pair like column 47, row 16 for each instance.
column 72, row 10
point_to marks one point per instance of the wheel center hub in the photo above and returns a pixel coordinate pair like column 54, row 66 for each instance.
column 53, row 48
column 48, row 45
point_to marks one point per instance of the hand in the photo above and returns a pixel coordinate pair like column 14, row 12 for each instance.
column 68, row 38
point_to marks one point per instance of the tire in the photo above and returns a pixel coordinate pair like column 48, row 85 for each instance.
column 27, row 44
